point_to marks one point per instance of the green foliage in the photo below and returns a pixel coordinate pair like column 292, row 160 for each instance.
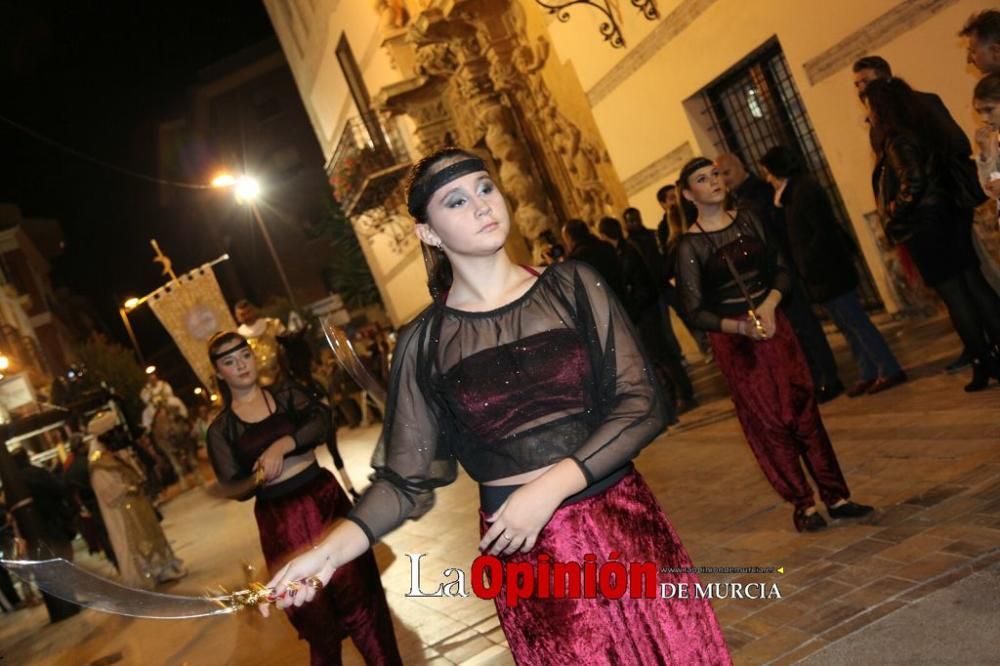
column 116, row 366
column 348, row 273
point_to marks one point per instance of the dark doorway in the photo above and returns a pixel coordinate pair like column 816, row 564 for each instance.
column 756, row 106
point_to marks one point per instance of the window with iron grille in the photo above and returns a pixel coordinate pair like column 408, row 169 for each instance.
column 756, row 106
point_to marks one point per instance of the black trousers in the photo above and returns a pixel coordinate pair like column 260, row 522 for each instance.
column 665, row 359
column 815, row 346
column 974, row 309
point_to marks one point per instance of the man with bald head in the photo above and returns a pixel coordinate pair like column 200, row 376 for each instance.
column 746, row 189
column 749, row 191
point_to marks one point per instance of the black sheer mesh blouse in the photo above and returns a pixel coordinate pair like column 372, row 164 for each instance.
column 556, row 373
column 234, row 445
column 707, row 289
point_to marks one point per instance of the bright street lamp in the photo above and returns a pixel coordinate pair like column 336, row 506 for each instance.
column 4, row 362
column 123, row 310
column 246, row 189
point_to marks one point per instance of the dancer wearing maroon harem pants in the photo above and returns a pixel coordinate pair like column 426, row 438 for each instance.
column 731, row 278
column 261, row 446
column 776, row 405
column 353, row 602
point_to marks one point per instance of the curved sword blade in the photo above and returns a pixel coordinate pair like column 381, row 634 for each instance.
column 348, row 358
column 67, row 581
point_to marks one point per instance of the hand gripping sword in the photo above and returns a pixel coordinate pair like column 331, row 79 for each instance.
column 738, row 279
column 67, row 581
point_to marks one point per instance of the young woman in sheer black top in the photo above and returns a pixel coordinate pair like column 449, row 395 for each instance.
column 534, row 382
column 261, row 445
column 763, row 365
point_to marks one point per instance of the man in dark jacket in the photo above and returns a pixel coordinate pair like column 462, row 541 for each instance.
column 584, row 246
column 747, row 190
column 874, row 67
column 642, row 302
column 644, row 240
column 55, row 507
column 822, row 254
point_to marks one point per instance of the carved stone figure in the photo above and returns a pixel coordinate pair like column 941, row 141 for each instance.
column 393, row 13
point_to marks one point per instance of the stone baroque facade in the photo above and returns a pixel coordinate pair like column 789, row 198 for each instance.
column 576, row 128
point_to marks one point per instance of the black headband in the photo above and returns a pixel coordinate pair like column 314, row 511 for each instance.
column 216, row 355
column 420, row 193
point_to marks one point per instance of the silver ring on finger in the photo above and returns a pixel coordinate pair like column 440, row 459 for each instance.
column 507, row 536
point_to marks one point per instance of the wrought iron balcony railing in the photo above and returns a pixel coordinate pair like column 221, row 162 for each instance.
column 369, row 161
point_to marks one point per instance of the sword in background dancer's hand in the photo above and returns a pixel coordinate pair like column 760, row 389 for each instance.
column 343, row 350
column 751, row 310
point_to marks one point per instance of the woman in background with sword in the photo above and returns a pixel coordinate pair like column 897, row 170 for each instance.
column 730, row 282
column 261, row 445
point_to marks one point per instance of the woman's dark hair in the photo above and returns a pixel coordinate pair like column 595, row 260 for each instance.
column 781, row 162
column 664, row 192
column 896, row 109
column 878, row 64
column 988, row 88
column 611, row 228
column 440, row 275
column 297, row 355
column 688, row 170
column 215, row 343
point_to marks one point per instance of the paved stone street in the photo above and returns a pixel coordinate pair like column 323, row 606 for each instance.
column 927, row 454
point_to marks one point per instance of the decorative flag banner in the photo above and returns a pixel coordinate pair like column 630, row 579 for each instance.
column 192, row 309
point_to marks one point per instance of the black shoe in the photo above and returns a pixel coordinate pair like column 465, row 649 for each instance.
column 804, row 522
column 849, row 510
column 961, row 363
column 828, row 392
column 981, row 371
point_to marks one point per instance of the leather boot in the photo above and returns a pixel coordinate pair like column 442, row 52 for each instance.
column 981, row 371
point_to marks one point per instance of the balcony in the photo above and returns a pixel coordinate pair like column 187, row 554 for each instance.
column 368, row 164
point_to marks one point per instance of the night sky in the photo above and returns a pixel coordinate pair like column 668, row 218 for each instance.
column 98, row 75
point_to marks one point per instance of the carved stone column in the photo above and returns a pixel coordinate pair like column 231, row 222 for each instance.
column 576, row 161
column 482, row 113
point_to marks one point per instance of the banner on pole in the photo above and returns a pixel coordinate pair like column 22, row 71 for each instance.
column 192, row 309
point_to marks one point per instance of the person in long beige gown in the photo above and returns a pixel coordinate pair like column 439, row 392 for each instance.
column 145, row 558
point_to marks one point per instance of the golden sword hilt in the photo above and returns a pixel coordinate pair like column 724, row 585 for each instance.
column 258, row 594
column 757, row 324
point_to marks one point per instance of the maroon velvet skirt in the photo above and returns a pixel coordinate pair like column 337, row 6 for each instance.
column 625, row 519
column 353, row 603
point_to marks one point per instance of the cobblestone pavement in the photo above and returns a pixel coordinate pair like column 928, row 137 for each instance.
column 926, row 454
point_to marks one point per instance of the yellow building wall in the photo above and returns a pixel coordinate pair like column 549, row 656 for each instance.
column 309, row 33
column 639, row 99
column 643, row 117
